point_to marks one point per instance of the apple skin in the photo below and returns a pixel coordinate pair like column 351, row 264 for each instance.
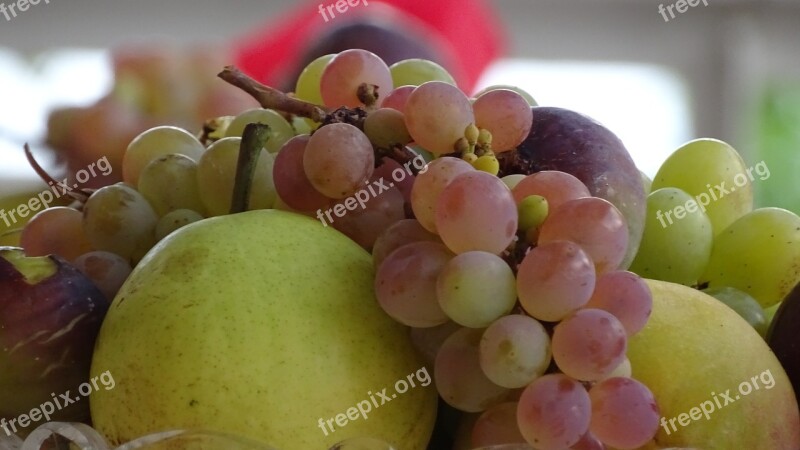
column 561, row 139
column 694, row 345
column 48, row 329
column 257, row 324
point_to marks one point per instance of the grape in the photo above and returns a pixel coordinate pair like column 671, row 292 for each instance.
column 429, row 340
column 107, row 270
column 624, row 369
column 280, row 130
column 119, row 220
column 417, row 71
column 554, row 412
column 157, row 142
column 556, row 187
column 170, row 183
column 624, row 413
column 497, row 425
column 533, row 211
column 347, row 71
column 405, row 284
column 673, row 251
column 515, row 350
column 476, row 212
column 398, row 98
column 516, row 89
column 392, row 170
column 437, row 115
column 555, row 279
column 338, row 160
column 589, row 344
column 698, row 168
column 55, row 231
column 458, row 375
column 758, row 254
column 365, row 225
column 386, row 128
column 429, row 185
column 647, row 183
column 487, row 163
column 745, row 305
column 397, row 235
column 175, row 220
column 588, row 442
column 476, row 288
column 291, row 182
column 216, row 175
column 362, row 443
column 505, row 114
column 307, row 87
column 512, row 181
column 626, row 296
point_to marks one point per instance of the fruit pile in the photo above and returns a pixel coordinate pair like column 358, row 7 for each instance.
column 500, row 233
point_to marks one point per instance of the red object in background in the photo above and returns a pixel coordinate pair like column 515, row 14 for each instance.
column 467, row 32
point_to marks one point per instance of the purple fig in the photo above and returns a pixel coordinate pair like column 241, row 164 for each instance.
column 568, row 141
column 783, row 337
column 50, row 315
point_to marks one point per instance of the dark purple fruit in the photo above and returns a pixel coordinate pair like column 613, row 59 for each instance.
column 50, row 314
column 783, row 337
column 568, row 141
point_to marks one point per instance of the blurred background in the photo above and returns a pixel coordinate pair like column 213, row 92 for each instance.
column 728, row 70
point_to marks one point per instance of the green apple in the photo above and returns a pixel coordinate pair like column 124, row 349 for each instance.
column 696, row 354
column 262, row 324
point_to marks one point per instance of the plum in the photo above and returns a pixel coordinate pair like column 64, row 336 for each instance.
column 783, row 337
column 50, row 315
column 561, row 139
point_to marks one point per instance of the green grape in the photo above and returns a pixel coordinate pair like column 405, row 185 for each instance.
column 744, row 305
column 677, row 239
column 528, row 97
column 280, row 130
column 758, row 254
column 157, row 142
column 414, row 72
column 714, row 173
column 170, row 183
column 307, row 87
column 175, row 220
column 216, row 174
column 118, row 219
column 386, row 127
column 532, row 212
column 302, row 125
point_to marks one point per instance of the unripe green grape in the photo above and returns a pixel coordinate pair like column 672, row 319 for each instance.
column 386, row 127
column 533, row 211
column 175, row 220
column 677, row 239
column 307, row 87
column 280, row 130
column 745, row 305
column 416, row 71
column 758, row 254
column 170, row 183
column 155, row 142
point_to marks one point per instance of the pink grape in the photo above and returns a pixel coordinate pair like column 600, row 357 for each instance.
column 398, row 98
column 557, row 187
column 594, row 224
column 458, row 375
column 555, row 279
column 365, row 225
column 107, row 270
column 476, row 212
column 393, row 172
column 406, row 284
column 55, row 231
column 428, row 341
column 437, row 115
column 589, row 344
column 515, row 350
column 625, row 414
column 429, row 185
column 554, row 412
column 589, row 442
column 347, row 71
column 626, row 296
column 397, row 235
column 505, row 114
column 496, row 426
column 290, row 178
column 338, row 160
